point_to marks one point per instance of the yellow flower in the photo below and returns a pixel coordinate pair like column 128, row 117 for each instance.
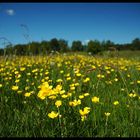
column 86, row 80
column 68, row 78
column 16, row 72
column 15, row 88
column 75, row 102
column 26, row 88
column 69, row 94
column 83, row 118
column 93, row 67
column 58, row 89
column 0, row 85
column 22, row 68
column 64, row 96
column 134, row 95
column 17, row 81
column 130, row 94
column 27, row 94
column 19, row 91
column 78, row 74
column 85, row 111
column 53, row 115
column 61, row 71
column 108, row 72
column 99, row 75
column 59, row 80
column 52, row 97
column 62, row 91
column 122, row 89
column 76, row 84
column 116, row 103
column 28, row 73
column 72, row 88
column 95, row 99
column 116, row 79
column 102, row 76
column 46, row 73
column 18, row 76
column 138, row 81
column 43, row 80
column 81, row 96
column 131, row 83
column 34, row 70
column 71, row 103
column 107, row 114
column 45, row 91
column 86, row 94
column 58, row 103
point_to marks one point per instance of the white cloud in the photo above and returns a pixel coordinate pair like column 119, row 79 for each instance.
column 10, row 12
column 85, row 42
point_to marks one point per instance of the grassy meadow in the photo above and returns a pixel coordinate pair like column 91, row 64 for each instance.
column 70, row 95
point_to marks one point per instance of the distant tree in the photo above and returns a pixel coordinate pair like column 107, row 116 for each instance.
column 77, row 46
column 63, row 45
column 108, row 44
column 1, row 51
column 45, row 47
column 54, row 44
column 9, row 49
column 135, row 45
column 84, row 47
column 35, row 48
column 20, row 49
column 94, row 47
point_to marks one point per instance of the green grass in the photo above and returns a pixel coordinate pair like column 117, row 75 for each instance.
column 28, row 116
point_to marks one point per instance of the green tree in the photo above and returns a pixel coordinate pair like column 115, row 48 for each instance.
column 35, row 48
column 20, row 49
column 1, row 51
column 54, row 44
column 94, row 47
column 45, row 47
column 77, row 46
column 135, row 45
column 108, row 44
column 63, row 45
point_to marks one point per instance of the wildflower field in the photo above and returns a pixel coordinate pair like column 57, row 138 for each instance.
column 71, row 95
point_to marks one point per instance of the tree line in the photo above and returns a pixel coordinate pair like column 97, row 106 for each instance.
column 60, row 45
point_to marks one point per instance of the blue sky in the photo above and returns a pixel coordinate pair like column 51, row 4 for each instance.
column 118, row 22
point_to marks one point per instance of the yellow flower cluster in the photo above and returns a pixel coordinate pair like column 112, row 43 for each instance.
column 48, row 91
column 84, row 113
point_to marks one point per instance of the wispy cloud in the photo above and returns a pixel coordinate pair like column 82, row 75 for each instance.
column 10, row 12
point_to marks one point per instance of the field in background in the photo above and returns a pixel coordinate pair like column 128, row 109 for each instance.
column 72, row 94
